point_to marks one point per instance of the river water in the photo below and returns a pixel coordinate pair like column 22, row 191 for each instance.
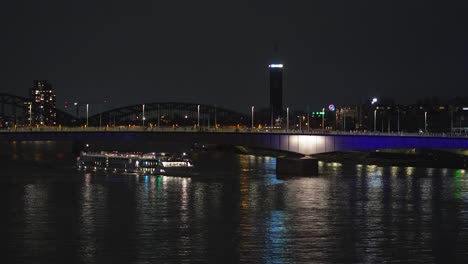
column 240, row 211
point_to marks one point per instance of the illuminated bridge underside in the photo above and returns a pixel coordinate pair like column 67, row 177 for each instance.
column 304, row 144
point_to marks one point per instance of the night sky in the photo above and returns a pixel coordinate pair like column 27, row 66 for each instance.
column 217, row 52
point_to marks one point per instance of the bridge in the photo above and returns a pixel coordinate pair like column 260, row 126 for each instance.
column 15, row 109
column 169, row 114
column 188, row 123
column 292, row 141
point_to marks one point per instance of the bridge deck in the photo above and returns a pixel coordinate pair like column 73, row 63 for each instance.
column 294, row 141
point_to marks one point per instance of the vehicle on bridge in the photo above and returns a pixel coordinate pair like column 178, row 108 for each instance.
column 139, row 163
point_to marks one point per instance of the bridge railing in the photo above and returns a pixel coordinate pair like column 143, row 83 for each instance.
column 27, row 129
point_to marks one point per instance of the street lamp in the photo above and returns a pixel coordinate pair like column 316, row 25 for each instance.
column 425, row 122
column 344, row 118
column 143, row 115
column 87, row 116
column 308, row 119
column 323, row 119
column 77, row 109
column 451, row 119
column 287, row 119
column 198, row 115
column 374, row 100
column 30, row 113
column 253, row 107
column 159, row 114
column 375, row 119
column 216, row 122
column 398, row 123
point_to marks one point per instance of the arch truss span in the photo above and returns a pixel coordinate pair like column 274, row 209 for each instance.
column 169, row 114
column 14, row 110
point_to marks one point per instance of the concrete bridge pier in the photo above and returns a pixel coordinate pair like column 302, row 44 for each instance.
column 289, row 166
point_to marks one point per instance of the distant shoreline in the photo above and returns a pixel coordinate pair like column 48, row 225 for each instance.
column 403, row 158
column 428, row 158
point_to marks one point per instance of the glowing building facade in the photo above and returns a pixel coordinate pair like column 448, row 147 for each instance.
column 43, row 103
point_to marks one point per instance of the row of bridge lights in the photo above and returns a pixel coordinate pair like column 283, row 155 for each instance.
column 198, row 116
column 374, row 100
column 143, row 115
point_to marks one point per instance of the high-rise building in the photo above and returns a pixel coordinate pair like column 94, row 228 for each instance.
column 43, row 103
column 276, row 90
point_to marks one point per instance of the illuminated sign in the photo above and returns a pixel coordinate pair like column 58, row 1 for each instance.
column 465, row 108
column 318, row 113
column 276, row 66
column 331, row 107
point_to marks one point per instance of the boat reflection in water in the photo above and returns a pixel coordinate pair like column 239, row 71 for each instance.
column 133, row 162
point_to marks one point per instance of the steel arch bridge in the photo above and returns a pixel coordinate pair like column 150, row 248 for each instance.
column 169, row 114
column 14, row 109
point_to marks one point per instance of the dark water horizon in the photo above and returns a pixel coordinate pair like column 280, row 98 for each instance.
column 240, row 212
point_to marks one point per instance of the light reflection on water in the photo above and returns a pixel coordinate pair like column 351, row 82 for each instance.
column 358, row 213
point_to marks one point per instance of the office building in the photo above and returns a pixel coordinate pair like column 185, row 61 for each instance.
column 276, row 90
column 43, row 103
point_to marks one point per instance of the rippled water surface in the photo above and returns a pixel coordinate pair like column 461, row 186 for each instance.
column 240, row 211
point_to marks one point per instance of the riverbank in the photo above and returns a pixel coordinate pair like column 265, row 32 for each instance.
column 428, row 158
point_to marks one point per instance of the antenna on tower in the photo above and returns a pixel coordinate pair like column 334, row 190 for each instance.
column 275, row 48
column 276, row 56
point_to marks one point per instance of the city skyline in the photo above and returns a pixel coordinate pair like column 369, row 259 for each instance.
column 209, row 53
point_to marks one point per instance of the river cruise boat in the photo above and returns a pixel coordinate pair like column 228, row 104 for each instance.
column 139, row 163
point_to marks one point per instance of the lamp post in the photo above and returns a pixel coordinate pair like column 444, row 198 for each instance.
column 451, row 119
column 323, row 119
column 344, row 119
column 287, row 119
column 143, row 115
column 308, row 119
column 425, row 121
column 216, row 122
column 77, row 109
column 374, row 100
column 87, row 116
column 375, row 119
column 159, row 114
column 198, row 116
column 30, row 113
column 253, row 107
column 398, row 123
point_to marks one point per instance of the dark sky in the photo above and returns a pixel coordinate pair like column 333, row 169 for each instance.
column 217, row 52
